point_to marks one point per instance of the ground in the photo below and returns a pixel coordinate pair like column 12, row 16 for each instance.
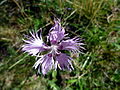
column 96, row 22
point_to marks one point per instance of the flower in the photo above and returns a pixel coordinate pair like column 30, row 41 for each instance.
column 54, row 58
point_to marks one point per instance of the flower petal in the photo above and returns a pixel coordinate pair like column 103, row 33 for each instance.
column 57, row 26
column 34, row 44
column 73, row 45
column 64, row 62
column 56, row 33
column 55, row 37
column 44, row 64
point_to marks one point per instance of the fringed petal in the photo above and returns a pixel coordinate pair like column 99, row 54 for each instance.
column 64, row 62
column 56, row 33
column 34, row 44
column 74, row 45
column 44, row 64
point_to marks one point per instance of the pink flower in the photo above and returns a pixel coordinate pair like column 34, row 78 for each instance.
column 54, row 58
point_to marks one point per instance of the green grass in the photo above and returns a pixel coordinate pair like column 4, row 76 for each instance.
column 95, row 21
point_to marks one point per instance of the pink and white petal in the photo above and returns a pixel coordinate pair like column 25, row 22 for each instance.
column 56, row 33
column 55, row 37
column 34, row 44
column 39, row 61
column 73, row 45
column 64, row 62
column 44, row 64
column 47, row 64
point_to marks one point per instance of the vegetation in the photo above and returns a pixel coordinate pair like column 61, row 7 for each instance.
column 95, row 21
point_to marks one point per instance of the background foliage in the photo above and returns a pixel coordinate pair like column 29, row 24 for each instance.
column 96, row 21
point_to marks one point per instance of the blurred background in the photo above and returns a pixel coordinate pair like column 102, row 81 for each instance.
column 95, row 21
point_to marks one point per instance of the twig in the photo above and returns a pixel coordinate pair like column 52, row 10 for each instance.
column 18, row 62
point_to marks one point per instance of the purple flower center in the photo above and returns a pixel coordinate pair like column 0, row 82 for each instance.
column 53, row 41
column 50, row 55
column 61, row 47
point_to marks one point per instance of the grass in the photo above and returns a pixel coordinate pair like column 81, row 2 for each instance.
column 97, row 22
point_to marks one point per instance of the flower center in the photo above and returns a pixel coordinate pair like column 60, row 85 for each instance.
column 54, row 49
